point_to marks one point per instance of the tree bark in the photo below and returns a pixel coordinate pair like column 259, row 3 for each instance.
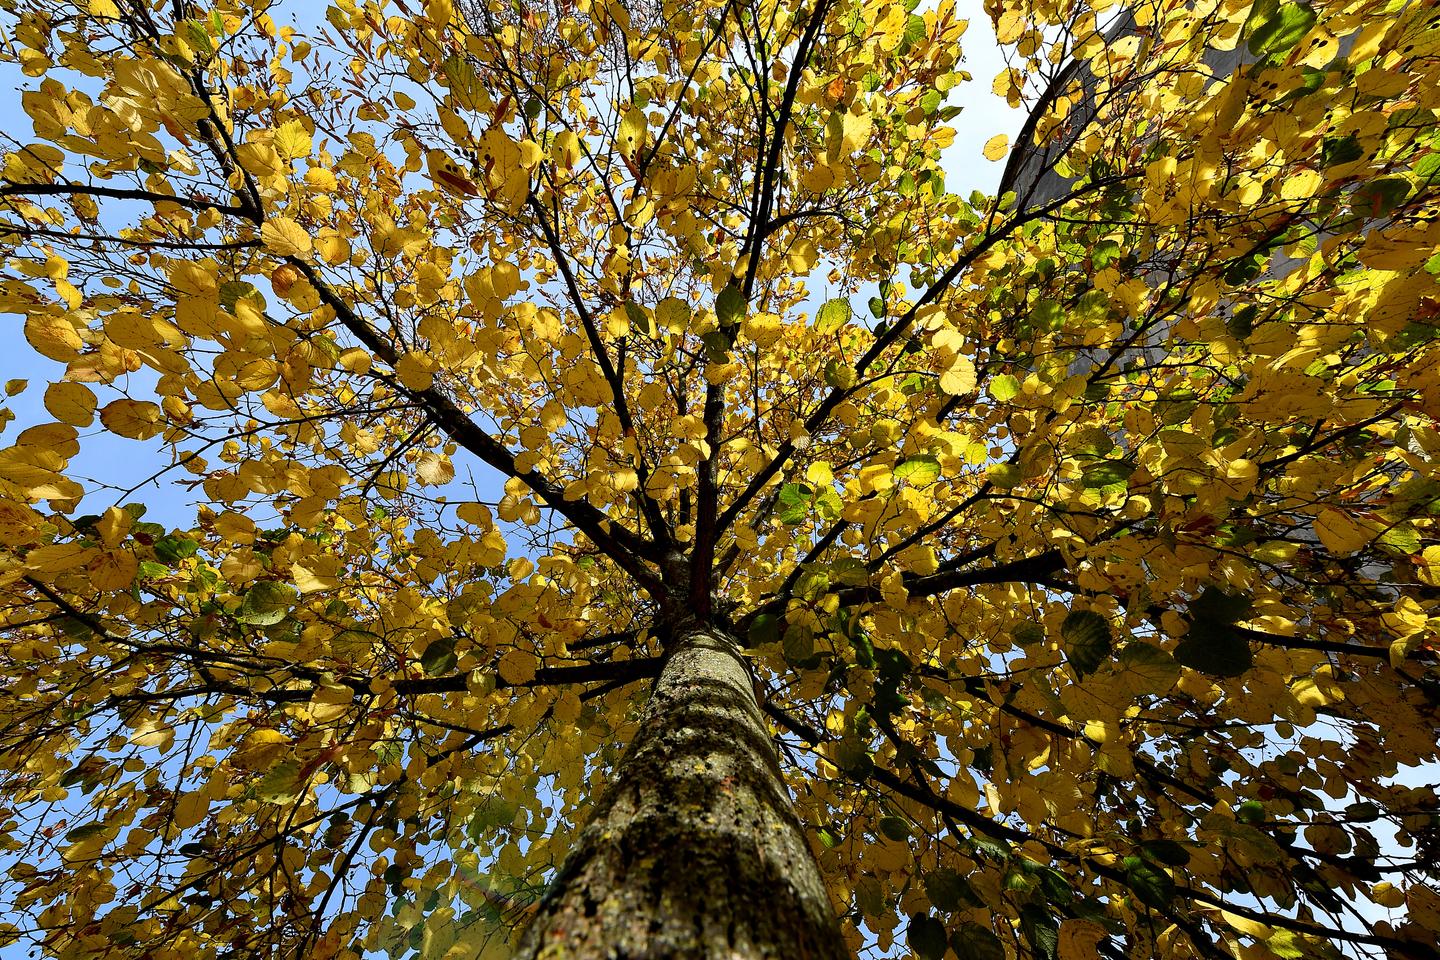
column 695, row 850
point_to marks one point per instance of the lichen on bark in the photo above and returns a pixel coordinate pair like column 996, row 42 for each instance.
column 695, row 851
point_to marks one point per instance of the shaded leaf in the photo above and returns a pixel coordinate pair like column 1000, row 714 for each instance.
column 926, row 936
column 266, row 603
column 1087, row 639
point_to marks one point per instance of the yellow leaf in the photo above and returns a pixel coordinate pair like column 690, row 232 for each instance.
column 433, row 469
column 855, row 131
column 333, row 248
column 416, row 371
column 312, row 575
column 996, row 146
column 1427, row 569
column 71, row 403
column 517, row 667
column 292, row 140
column 53, row 336
column 1079, row 939
column 57, row 557
column 355, row 360
column 113, row 570
column 321, row 180
column 1301, row 184
column 113, row 524
column 960, row 378
column 190, row 809
column 630, row 138
column 285, row 238
column 802, row 256
column 1010, row 26
column 565, row 150
column 1339, row 533
column 1008, row 84
column 135, row 419
column 448, row 175
column 153, row 734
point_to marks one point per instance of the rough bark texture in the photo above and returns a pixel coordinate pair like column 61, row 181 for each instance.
column 695, row 852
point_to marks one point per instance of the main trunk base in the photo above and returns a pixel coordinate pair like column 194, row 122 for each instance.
column 695, row 852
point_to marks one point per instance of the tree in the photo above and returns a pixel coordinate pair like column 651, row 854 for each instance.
column 643, row 513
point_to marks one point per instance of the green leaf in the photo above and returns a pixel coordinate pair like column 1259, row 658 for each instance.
column 1055, row 885
column 1087, row 640
column 1091, row 442
column 828, row 503
column 1151, row 884
column 1153, row 670
column 197, row 36
column 832, row 315
column 266, row 603
column 730, row 305
column 439, row 657
column 893, row 664
column 233, row 291
column 864, row 650
column 1287, row 945
column 1218, row 606
column 1279, row 27
column 798, row 644
column 717, row 346
column 838, row 374
column 1362, row 811
column 949, row 891
column 1337, row 150
column 1251, row 811
column 895, row 828
column 919, row 471
column 281, row 783
column 149, row 570
column 914, row 32
column 794, row 502
column 1106, row 473
column 1003, row 475
column 991, row 846
column 85, row 832
column 1028, row 634
column 970, row 941
column 1165, row 851
column 1402, row 538
column 853, row 757
column 1242, row 322
column 1215, row 648
column 764, row 629
column 1104, row 253
column 171, row 550
column 1004, row 388
column 926, row 936
column 1378, row 197
column 639, row 318
column 1048, row 315
column 1040, row 930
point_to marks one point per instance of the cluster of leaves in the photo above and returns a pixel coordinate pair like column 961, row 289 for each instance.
column 1090, row 573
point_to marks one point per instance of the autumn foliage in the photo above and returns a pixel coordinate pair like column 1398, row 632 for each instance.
column 1081, row 540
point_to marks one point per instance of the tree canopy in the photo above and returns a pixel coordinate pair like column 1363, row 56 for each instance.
column 1082, row 540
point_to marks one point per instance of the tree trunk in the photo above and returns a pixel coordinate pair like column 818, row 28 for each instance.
column 695, row 851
